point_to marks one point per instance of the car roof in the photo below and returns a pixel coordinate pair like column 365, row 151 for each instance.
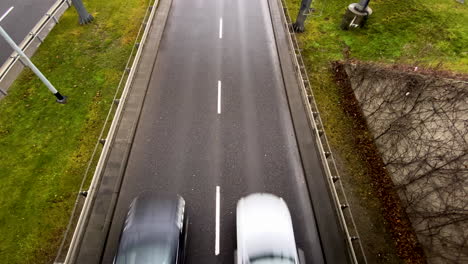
column 267, row 226
column 150, row 226
column 152, row 207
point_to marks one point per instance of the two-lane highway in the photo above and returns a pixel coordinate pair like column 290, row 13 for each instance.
column 216, row 126
column 20, row 21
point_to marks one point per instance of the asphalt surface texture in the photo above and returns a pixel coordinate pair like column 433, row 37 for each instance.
column 216, row 117
column 20, row 21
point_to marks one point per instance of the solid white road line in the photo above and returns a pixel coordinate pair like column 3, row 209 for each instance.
column 219, row 97
column 221, row 28
column 217, row 220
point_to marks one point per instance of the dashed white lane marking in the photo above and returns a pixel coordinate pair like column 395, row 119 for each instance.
column 6, row 13
column 219, row 97
column 218, row 198
column 221, row 28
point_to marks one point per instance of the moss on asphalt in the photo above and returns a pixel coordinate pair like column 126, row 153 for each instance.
column 45, row 146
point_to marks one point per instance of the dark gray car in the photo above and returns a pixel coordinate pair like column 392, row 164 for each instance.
column 155, row 231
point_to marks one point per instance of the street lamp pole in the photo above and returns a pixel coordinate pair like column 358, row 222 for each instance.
column 298, row 26
column 60, row 98
column 361, row 7
column 356, row 15
column 85, row 17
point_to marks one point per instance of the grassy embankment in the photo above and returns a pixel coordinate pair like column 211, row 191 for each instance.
column 45, row 146
column 423, row 33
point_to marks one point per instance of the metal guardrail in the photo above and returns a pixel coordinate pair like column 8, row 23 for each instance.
column 116, row 108
column 49, row 20
column 13, row 65
column 338, row 192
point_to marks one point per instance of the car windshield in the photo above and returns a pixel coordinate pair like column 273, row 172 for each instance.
column 271, row 259
column 145, row 254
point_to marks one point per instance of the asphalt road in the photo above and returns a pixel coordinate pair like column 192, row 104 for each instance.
column 20, row 21
column 216, row 114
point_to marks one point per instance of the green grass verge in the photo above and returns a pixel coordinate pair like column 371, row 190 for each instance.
column 45, row 146
column 424, row 33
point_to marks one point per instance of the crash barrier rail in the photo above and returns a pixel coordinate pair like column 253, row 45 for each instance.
column 337, row 190
column 13, row 65
column 80, row 214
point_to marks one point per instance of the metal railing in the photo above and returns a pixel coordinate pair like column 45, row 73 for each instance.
column 336, row 187
column 84, row 199
column 13, row 65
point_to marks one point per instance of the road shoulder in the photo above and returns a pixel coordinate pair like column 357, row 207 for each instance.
column 324, row 209
column 96, row 229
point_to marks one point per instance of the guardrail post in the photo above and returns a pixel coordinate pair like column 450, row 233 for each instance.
column 53, row 18
column 39, row 38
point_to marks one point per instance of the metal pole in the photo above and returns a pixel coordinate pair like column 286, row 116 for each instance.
column 361, row 7
column 60, row 98
column 356, row 15
column 85, row 17
column 298, row 26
